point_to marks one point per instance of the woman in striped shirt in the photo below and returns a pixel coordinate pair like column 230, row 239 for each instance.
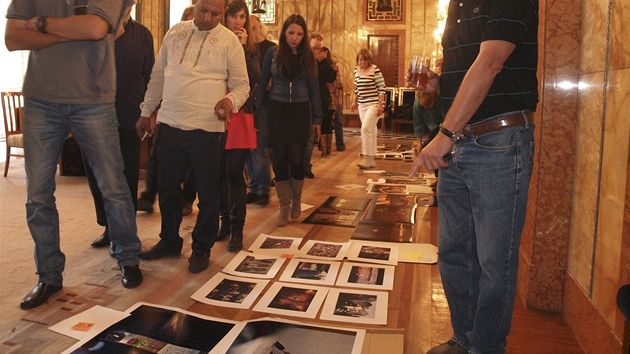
column 370, row 99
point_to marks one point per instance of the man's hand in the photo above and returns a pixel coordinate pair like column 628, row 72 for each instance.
column 317, row 131
column 433, row 84
column 432, row 155
column 144, row 128
column 223, row 109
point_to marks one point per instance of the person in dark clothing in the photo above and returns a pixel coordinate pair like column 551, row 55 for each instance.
column 134, row 61
column 241, row 136
column 485, row 152
column 326, row 75
column 293, row 99
column 258, row 165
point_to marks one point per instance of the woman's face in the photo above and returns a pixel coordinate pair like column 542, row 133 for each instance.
column 294, row 35
column 257, row 31
column 363, row 63
column 236, row 22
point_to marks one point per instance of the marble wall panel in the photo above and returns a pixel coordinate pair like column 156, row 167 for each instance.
column 594, row 30
column 624, row 261
column 584, row 198
column 589, row 326
column 619, row 44
column 559, row 112
column 562, row 37
column 613, row 188
column 545, row 287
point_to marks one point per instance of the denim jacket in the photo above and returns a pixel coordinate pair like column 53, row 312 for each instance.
column 301, row 89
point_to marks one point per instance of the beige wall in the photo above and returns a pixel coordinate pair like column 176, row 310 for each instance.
column 343, row 26
column 573, row 255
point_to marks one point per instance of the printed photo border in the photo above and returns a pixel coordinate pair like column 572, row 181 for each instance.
column 271, row 296
column 310, row 244
column 365, row 307
column 259, row 244
column 263, row 334
column 387, row 276
column 231, row 268
column 292, row 267
column 388, row 254
column 211, row 285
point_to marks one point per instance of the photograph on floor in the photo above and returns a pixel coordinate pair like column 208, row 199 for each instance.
column 373, row 252
column 152, row 328
column 334, row 217
column 292, row 300
column 254, row 265
column 392, row 208
column 365, row 307
column 324, row 250
column 387, row 189
column 229, row 291
column 346, row 203
column 310, row 272
column 383, row 231
column 280, row 336
column 366, row 276
column 276, row 245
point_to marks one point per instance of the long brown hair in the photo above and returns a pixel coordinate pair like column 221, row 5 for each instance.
column 235, row 6
column 283, row 53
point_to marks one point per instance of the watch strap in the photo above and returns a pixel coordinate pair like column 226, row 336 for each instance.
column 42, row 24
column 455, row 136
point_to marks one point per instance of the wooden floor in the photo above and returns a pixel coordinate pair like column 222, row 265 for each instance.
column 417, row 303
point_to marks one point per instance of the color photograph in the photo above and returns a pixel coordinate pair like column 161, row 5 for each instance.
column 253, row 265
column 366, row 307
column 292, row 300
column 276, row 245
column 310, row 272
column 366, row 276
column 278, row 336
column 228, row 291
column 324, row 250
column 373, row 252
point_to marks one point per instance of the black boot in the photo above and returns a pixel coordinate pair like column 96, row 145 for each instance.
column 238, row 210
column 224, row 210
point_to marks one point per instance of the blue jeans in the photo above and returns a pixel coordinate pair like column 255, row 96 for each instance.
column 180, row 150
column 46, row 127
column 482, row 196
column 258, row 165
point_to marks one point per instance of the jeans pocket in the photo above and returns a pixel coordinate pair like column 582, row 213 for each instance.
column 499, row 140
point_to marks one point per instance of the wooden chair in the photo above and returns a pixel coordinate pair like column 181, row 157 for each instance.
column 13, row 110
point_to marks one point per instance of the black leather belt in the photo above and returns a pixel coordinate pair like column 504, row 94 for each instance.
column 493, row 125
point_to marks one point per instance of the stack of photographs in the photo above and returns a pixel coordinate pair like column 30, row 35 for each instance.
column 338, row 211
column 390, row 218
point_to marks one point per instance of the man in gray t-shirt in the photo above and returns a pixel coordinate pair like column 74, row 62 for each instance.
column 70, row 87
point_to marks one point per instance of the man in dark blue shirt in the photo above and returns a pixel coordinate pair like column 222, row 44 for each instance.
column 484, row 152
column 134, row 61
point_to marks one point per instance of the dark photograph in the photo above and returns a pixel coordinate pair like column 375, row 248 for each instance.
column 231, row 291
column 294, row 299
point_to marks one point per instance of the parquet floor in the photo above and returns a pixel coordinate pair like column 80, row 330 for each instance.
column 417, row 303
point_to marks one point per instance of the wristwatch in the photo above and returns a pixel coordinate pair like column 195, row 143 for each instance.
column 42, row 24
column 454, row 136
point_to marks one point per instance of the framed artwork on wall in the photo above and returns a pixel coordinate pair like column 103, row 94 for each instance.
column 384, row 10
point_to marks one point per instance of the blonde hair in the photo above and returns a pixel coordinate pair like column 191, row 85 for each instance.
column 187, row 12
